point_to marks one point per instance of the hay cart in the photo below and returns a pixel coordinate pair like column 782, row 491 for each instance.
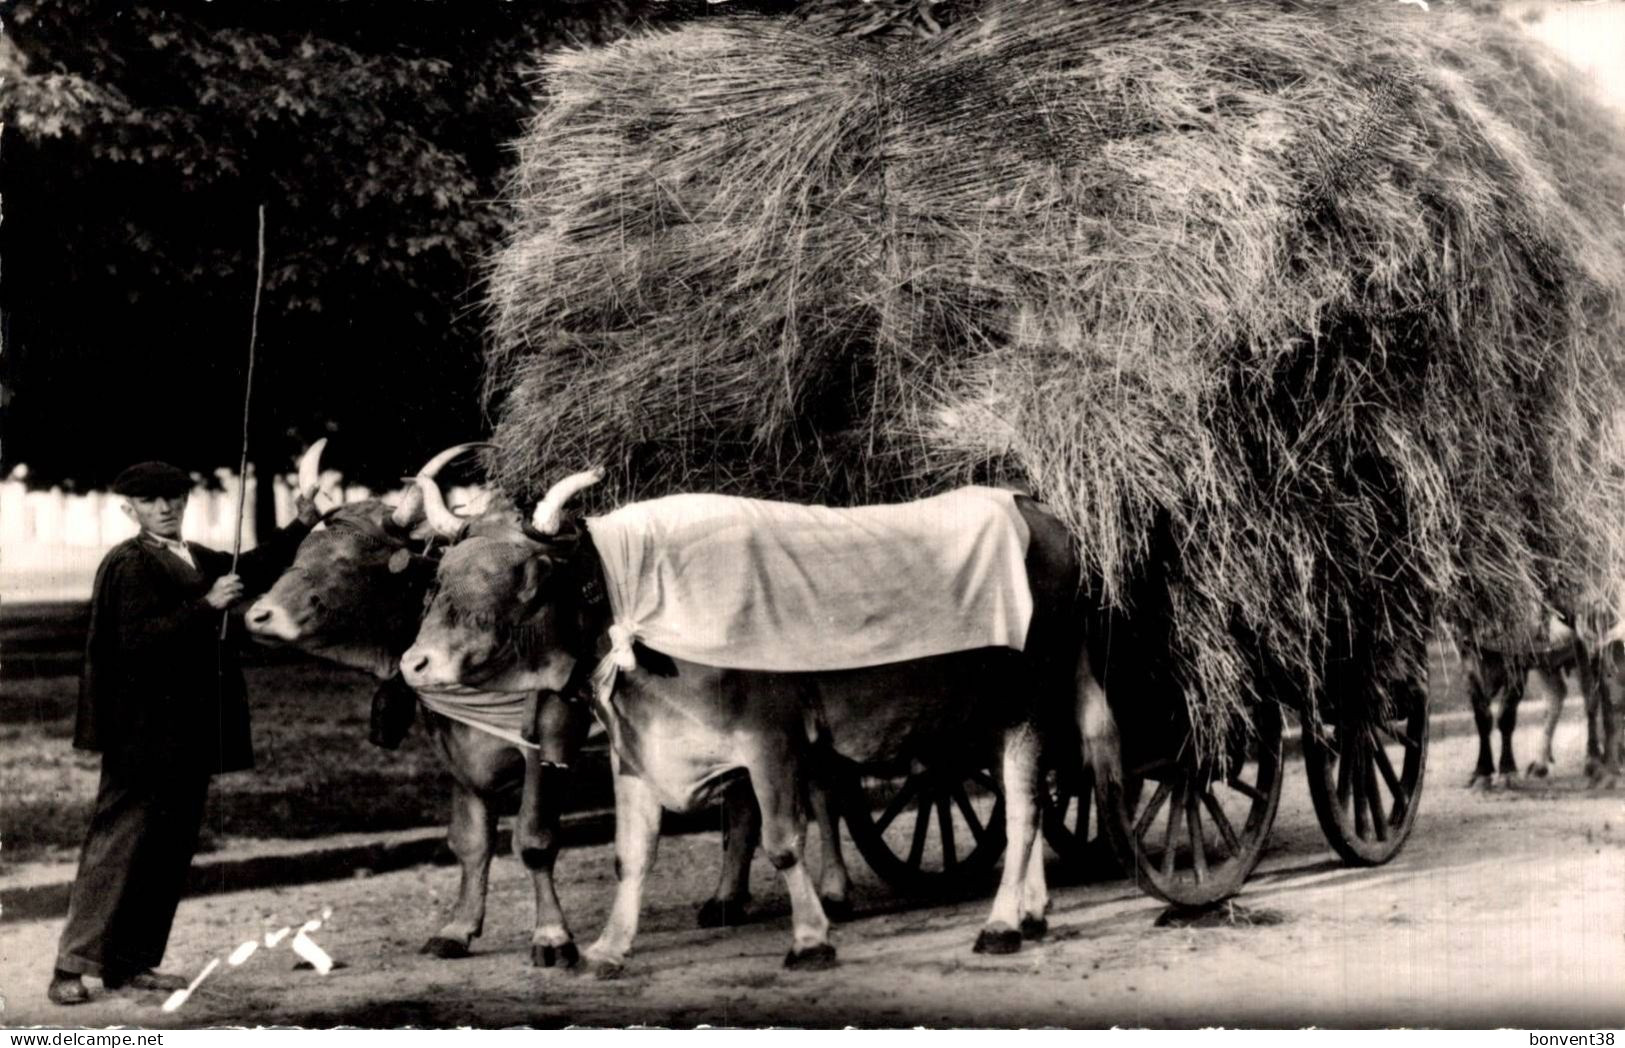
column 1311, row 322
column 1190, row 832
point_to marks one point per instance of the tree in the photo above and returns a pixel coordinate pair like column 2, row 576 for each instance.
column 138, row 141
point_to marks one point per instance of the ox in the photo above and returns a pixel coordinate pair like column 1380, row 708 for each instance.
column 682, row 731
column 354, row 595
column 1587, row 647
column 518, row 665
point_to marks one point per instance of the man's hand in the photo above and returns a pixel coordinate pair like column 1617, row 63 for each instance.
column 304, row 506
column 226, row 591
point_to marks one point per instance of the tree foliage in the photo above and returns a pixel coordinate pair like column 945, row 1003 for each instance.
column 139, row 140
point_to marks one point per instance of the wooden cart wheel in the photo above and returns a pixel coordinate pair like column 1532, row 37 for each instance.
column 1072, row 823
column 939, row 830
column 1193, row 838
column 1366, row 780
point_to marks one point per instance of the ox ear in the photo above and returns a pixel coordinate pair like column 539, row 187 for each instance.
column 399, row 561
column 533, row 571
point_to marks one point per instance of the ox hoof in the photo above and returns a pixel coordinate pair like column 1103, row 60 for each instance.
column 812, row 959
column 722, row 913
column 998, row 940
column 1034, row 928
column 837, row 909
column 564, row 955
column 1536, row 770
column 444, row 948
column 1600, row 772
column 1506, row 780
column 1479, row 781
column 606, row 971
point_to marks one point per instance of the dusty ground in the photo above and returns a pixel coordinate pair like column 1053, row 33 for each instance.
column 1505, row 909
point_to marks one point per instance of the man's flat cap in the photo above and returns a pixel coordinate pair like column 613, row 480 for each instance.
column 152, row 480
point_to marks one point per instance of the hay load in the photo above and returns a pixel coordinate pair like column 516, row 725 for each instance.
column 1305, row 317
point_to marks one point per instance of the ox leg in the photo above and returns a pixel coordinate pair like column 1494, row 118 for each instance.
column 637, row 838
column 471, row 835
column 741, row 832
column 1035, row 893
column 1506, row 772
column 1481, row 688
column 1002, row 932
column 1602, row 723
column 536, row 834
column 1102, row 748
column 1613, row 747
column 776, row 774
column 1608, row 718
column 834, row 882
column 1556, row 692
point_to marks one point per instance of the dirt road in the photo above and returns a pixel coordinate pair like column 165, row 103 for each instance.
column 1507, row 908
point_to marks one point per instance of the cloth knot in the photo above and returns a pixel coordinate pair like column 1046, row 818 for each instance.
column 620, row 647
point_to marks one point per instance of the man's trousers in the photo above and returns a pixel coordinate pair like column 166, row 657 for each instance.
column 132, row 871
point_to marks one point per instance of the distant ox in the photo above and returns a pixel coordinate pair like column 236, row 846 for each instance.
column 689, row 730
column 1586, row 645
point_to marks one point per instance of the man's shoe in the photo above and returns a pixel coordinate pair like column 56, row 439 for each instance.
column 146, row 980
column 67, row 988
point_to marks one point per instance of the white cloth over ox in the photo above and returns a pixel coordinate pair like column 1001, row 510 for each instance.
column 752, row 585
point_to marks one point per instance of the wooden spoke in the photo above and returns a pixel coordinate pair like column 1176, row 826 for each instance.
column 1360, row 828
column 1193, row 824
column 1379, row 817
column 1378, row 814
column 922, row 823
column 945, row 820
column 1245, row 788
column 985, row 779
column 1222, row 821
column 976, row 828
column 1400, row 737
column 1344, row 763
column 1143, row 823
column 1389, row 776
column 1144, row 771
column 1168, row 850
column 898, row 803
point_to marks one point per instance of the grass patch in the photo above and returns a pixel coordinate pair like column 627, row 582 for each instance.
column 316, row 773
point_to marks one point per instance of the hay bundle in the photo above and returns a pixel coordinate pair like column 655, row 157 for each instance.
column 1305, row 317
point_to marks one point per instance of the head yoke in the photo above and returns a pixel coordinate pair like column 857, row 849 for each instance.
column 388, row 533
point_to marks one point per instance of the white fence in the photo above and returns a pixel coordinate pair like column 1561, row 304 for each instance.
column 51, row 541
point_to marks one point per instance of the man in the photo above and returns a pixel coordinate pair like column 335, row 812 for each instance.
column 163, row 701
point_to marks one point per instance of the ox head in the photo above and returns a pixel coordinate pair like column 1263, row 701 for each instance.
column 509, row 610
column 354, row 592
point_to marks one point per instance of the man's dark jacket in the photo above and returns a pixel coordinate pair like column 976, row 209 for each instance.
column 160, row 695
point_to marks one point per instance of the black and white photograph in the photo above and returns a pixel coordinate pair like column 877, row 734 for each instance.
column 812, row 514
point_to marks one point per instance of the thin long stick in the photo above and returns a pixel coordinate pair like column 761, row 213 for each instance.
column 248, row 394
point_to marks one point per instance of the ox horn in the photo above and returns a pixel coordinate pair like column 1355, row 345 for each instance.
column 310, row 468
column 423, row 498
column 549, row 513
